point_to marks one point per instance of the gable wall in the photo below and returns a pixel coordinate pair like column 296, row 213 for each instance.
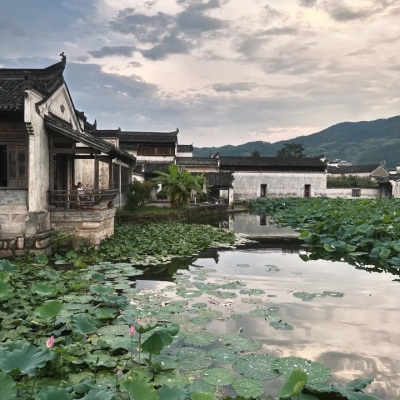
column 247, row 185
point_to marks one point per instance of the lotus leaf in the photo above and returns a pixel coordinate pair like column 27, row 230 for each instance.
column 24, row 359
column 200, row 339
column 202, row 320
column 49, row 310
column 189, row 293
column 219, row 377
column 250, row 300
column 199, row 305
column 259, row 312
column 6, row 291
column 139, row 390
column 248, row 388
column 8, row 387
column 99, row 394
column 171, row 379
column 171, row 393
column 159, row 339
column 283, row 326
column 113, row 330
column 202, row 396
column 105, row 313
column 53, row 393
column 240, row 343
column 5, row 265
column 223, row 295
column 294, row 384
column 236, row 316
column 233, row 285
column 256, row 366
column 100, row 359
column 254, row 292
column 332, row 294
column 192, row 359
column 85, row 324
column 100, row 289
column 44, row 288
column 316, row 372
column 305, row 296
column 223, row 355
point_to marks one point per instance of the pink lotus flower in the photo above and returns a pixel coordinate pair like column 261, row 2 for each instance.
column 132, row 330
column 50, row 342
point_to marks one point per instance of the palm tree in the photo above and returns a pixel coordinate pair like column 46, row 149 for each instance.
column 178, row 184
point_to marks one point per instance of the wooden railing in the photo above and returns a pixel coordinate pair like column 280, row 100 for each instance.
column 71, row 199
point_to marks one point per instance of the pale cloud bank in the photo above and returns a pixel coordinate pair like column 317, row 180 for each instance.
column 224, row 72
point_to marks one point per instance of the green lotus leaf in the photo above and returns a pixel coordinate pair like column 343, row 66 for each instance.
column 49, row 310
column 305, row 296
column 100, row 359
column 223, row 355
column 256, row 366
column 44, row 288
column 202, row 396
column 233, row 285
column 157, row 341
column 24, row 359
column 85, row 324
column 99, row 394
column 200, row 339
column 114, row 300
column 53, row 393
column 240, row 343
column 42, row 259
column 248, row 388
column 250, row 300
column 172, row 379
column 105, row 313
column 83, row 386
column 113, row 330
column 294, row 384
column 282, row 326
column 223, row 295
column 139, row 390
column 171, row 393
column 192, row 359
column 8, row 387
column 332, row 294
column 100, row 289
column 316, row 372
column 236, row 316
column 219, row 377
column 201, row 386
column 272, row 268
column 5, row 265
column 6, row 291
column 254, row 292
column 189, row 293
column 200, row 320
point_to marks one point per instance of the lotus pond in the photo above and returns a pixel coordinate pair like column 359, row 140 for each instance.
column 234, row 321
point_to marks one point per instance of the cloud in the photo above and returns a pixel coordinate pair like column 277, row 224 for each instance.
column 125, row 51
column 169, row 45
column 234, row 87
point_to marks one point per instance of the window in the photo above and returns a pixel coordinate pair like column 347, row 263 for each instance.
column 13, row 165
column 356, row 192
column 156, row 151
column 263, row 191
column 307, row 190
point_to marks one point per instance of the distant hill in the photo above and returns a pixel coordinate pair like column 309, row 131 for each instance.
column 366, row 142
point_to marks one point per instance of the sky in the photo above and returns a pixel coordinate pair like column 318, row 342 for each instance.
column 222, row 71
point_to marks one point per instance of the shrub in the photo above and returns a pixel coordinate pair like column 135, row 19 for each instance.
column 138, row 194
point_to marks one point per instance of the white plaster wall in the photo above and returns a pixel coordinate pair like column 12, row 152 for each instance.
column 38, row 158
column 184, row 154
column 247, row 185
column 154, row 158
column 346, row 193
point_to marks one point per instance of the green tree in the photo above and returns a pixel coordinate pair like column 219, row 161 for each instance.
column 178, row 184
column 138, row 193
column 255, row 153
column 291, row 150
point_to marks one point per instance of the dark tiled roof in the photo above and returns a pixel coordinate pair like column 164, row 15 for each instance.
column 13, row 83
column 219, row 179
column 352, row 169
column 257, row 162
column 148, row 137
column 151, row 167
column 197, row 161
column 109, row 133
column 185, row 148
column 65, row 128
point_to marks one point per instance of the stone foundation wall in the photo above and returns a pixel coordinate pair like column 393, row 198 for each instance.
column 22, row 231
column 13, row 197
column 94, row 225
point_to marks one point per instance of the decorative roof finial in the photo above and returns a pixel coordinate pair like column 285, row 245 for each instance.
column 63, row 57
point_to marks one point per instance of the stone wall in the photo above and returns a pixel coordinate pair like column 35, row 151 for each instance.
column 349, row 193
column 94, row 225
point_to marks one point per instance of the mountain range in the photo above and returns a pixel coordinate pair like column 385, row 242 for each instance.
column 364, row 142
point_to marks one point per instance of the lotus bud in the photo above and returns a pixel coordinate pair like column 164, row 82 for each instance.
column 132, row 330
column 50, row 342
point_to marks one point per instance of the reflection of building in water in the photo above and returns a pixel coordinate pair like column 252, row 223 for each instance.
column 209, row 253
column 257, row 226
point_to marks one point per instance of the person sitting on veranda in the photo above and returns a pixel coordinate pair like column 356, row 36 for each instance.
column 81, row 193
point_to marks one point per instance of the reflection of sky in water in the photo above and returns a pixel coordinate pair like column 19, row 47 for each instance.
column 356, row 336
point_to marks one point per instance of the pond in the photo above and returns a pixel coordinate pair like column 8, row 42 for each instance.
column 330, row 312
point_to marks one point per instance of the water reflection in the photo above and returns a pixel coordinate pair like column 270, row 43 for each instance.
column 357, row 335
